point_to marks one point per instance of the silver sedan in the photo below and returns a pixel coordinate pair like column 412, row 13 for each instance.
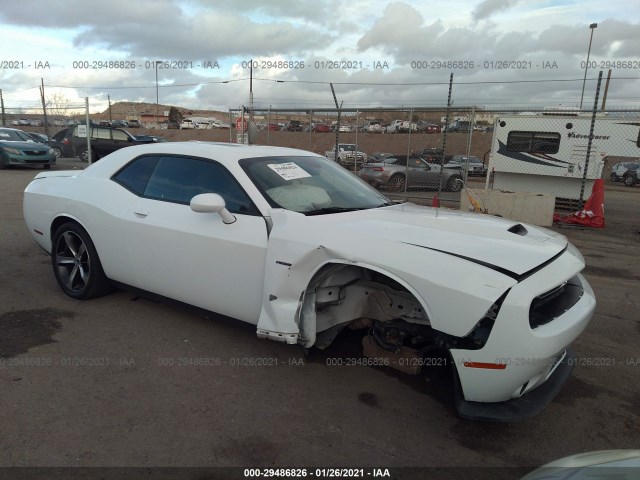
column 396, row 173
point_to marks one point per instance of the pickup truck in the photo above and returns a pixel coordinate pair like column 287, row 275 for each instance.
column 401, row 126
column 348, row 154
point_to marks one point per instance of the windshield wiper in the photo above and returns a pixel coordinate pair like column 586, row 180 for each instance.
column 327, row 210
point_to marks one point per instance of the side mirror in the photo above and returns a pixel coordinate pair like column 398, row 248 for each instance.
column 212, row 203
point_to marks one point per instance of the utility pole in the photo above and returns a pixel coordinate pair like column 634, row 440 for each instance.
column 44, row 107
column 4, row 118
column 109, row 100
column 335, row 99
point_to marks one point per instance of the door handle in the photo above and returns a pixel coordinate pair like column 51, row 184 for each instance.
column 141, row 212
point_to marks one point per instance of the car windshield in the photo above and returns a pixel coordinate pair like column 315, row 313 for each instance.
column 347, row 147
column 14, row 136
column 310, row 185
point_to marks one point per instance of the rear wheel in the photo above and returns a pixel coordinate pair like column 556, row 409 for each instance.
column 396, row 183
column 83, row 155
column 614, row 177
column 454, row 184
column 76, row 265
column 630, row 180
column 47, row 166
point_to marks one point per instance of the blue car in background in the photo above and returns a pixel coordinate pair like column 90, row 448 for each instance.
column 17, row 148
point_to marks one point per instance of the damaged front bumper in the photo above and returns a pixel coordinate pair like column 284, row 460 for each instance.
column 520, row 408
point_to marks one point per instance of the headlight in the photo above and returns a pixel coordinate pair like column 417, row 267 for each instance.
column 14, row 151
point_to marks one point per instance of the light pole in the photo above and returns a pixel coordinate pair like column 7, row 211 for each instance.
column 157, row 97
column 593, row 26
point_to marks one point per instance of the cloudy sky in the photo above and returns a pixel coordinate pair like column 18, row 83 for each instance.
column 375, row 52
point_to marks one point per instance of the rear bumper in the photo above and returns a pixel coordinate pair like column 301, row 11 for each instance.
column 521, row 408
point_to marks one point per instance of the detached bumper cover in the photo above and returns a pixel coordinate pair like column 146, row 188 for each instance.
column 521, row 408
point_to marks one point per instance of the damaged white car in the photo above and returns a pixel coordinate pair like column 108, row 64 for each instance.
column 295, row 244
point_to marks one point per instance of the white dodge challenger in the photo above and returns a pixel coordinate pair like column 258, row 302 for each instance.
column 293, row 243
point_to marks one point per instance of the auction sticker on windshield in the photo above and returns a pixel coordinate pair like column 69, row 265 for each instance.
column 289, row 170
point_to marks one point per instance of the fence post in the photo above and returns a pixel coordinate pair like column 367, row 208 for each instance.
column 269, row 126
column 310, row 113
column 4, row 118
column 469, row 138
column 444, row 135
column 230, row 126
column 88, row 129
column 590, row 141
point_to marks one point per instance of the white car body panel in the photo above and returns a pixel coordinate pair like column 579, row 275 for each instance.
column 452, row 268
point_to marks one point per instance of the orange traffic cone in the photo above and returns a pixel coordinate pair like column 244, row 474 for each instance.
column 592, row 214
column 435, row 202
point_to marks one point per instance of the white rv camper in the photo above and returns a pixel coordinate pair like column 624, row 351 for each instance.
column 547, row 153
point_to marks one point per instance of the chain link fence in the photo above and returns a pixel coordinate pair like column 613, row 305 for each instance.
column 452, row 154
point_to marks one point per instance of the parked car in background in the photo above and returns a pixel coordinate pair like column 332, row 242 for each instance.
column 38, row 137
column 372, row 126
column 313, row 250
column 459, row 126
column 432, row 155
column 428, row 127
column 473, row 165
column 61, row 143
column 274, row 127
column 620, row 169
column 105, row 140
column 348, row 155
column 120, row 124
column 399, row 171
column 135, row 123
column 18, row 149
column 187, row 124
column 294, row 126
column 401, row 126
column 378, row 157
column 632, row 177
column 322, row 128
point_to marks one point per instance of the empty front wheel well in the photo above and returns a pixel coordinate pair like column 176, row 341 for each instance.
column 341, row 294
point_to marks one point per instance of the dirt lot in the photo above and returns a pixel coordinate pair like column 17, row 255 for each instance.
column 103, row 383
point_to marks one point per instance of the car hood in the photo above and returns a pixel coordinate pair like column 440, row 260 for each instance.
column 24, row 145
column 501, row 244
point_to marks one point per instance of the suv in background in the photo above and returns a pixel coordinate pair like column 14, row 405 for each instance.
column 104, row 140
column 61, row 143
column 134, row 123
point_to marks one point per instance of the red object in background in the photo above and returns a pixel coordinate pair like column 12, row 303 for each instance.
column 435, row 202
column 592, row 214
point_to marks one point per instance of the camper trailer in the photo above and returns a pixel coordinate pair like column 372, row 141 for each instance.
column 547, row 153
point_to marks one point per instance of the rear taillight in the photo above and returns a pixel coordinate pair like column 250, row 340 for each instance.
column 377, row 169
column 65, row 141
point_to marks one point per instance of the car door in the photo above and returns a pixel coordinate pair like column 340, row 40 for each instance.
column 194, row 257
column 421, row 173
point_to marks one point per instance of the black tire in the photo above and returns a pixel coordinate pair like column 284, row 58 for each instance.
column 396, row 183
column 630, row 180
column 47, row 166
column 84, row 157
column 76, row 264
column 614, row 177
column 454, row 184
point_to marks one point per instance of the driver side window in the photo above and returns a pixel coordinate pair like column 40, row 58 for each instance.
column 179, row 179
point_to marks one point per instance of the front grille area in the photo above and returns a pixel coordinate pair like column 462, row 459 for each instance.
column 35, row 153
column 550, row 305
